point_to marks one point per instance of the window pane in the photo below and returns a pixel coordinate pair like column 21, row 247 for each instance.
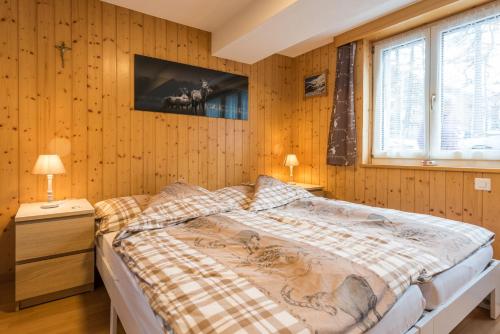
column 401, row 102
column 470, row 87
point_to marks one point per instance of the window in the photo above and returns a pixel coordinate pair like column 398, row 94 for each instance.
column 437, row 90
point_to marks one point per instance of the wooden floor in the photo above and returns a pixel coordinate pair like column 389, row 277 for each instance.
column 89, row 313
column 84, row 313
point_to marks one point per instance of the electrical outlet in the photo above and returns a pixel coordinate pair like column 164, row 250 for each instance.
column 482, row 184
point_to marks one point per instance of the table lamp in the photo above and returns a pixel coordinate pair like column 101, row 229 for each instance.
column 291, row 161
column 49, row 164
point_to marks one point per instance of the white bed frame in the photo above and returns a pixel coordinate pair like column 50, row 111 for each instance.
column 439, row 321
column 126, row 298
column 448, row 315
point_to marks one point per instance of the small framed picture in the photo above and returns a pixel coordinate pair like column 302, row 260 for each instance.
column 316, row 85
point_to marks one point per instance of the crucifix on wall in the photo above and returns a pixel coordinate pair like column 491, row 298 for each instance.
column 62, row 49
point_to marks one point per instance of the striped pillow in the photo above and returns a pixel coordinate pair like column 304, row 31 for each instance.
column 241, row 196
column 114, row 213
column 175, row 191
column 271, row 193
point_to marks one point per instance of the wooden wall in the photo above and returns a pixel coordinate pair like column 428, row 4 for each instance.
column 446, row 193
column 84, row 111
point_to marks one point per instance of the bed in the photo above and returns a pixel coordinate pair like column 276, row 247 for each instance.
column 138, row 317
column 466, row 283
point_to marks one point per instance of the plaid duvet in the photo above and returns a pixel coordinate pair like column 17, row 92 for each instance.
column 436, row 242
column 309, row 266
column 174, row 211
column 195, row 294
column 235, row 272
column 397, row 265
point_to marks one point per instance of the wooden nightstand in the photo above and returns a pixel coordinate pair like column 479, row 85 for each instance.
column 314, row 189
column 54, row 251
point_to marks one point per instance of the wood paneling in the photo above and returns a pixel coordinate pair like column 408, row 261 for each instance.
column 9, row 125
column 109, row 105
column 491, row 209
column 445, row 193
column 84, row 111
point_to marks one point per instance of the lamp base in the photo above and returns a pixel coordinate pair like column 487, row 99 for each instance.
column 50, row 205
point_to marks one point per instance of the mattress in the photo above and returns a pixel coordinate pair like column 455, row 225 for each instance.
column 403, row 315
column 399, row 319
column 443, row 286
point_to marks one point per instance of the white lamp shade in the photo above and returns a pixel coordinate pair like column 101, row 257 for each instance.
column 48, row 164
column 291, row 160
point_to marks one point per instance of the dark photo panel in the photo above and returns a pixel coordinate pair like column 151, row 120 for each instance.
column 171, row 87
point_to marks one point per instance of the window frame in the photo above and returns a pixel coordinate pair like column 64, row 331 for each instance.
column 432, row 34
column 435, row 124
column 378, row 49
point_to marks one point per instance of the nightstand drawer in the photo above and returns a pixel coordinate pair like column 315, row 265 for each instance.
column 48, row 276
column 40, row 238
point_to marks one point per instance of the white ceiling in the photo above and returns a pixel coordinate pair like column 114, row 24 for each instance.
column 250, row 30
column 202, row 14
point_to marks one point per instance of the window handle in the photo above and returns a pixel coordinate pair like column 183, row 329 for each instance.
column 433, row 102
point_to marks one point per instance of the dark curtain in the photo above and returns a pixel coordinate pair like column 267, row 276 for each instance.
column 342, row 135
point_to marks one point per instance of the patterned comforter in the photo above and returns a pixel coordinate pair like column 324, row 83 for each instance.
column 438, row 243
column 310, row 266
column 225, row 273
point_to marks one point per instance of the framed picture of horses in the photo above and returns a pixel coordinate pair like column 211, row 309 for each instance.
column 171, row 87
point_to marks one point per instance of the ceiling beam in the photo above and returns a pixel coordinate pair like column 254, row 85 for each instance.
column 292, row 27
